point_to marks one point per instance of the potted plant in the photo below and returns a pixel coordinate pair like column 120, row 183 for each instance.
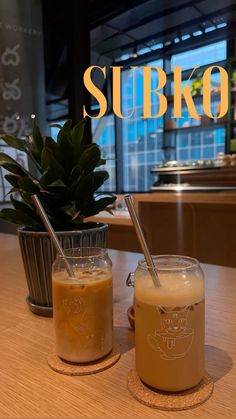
column 66, row 180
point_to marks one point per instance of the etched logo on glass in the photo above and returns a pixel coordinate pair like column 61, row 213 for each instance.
column 174, row 339
column 81, row 321
column 74, row 305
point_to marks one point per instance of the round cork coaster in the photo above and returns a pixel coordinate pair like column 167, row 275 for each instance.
column 71, row 368
column 181, row 400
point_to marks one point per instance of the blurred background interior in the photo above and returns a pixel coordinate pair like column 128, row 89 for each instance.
column 182, row 171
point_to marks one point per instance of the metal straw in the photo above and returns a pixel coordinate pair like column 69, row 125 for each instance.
column 150, row 264
column 51, row 232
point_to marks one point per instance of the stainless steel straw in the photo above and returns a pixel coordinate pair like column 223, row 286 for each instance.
column 150, row 264
column 51, row 232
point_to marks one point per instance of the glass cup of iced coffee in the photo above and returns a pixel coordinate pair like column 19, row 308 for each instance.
column 169, row 323
column 83, row 305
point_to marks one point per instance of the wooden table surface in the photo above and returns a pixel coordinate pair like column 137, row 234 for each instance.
column 29, row 388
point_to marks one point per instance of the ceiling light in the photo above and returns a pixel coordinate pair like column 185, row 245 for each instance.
column 157, row 46
column 210, row 29
column 143, row 50
column 124, row 57
column 197, row 33
column 221, row 25
column 184, row 37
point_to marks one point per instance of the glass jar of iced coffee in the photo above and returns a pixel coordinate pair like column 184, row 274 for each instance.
column 83, row 305
column 169, row 323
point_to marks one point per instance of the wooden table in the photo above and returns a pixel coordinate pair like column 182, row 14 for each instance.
column 29, row 388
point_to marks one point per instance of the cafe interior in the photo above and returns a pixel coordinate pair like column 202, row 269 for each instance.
column 159, row 185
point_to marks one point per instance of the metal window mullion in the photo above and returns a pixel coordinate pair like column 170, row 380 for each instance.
column 119, row 155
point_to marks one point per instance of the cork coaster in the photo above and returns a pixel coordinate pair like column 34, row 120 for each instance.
column 71, row 368
column 181, row 400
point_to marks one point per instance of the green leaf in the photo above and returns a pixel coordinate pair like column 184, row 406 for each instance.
column 65, row 147
column 28, row 186
column 13, row 180
column 109, row 210
column 57, row 184
column 22, row 145
column 52, row 145
column 38, row 142
column 77, row 133
column 11, row 165
column 89, row 184
column 67, row 125
column 77, row 137
column 101, row 162
column 26, row 209
column 64, row 133
column 49, row 161
column 96, row 206
column 14, row 142
column 59, row 188
column 12, row 190
column 47, row 178
column 17, row 217
column 88, row 161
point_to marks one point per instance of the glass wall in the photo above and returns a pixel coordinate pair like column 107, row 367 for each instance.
column 200, row 56
column 103, row 130
column 145, row 143
column 142, row 139
column 201, row 138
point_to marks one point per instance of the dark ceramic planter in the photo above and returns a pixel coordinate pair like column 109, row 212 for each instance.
column 38, row 255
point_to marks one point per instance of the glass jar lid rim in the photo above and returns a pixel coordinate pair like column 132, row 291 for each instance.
column 80, row 252
column 188, row 263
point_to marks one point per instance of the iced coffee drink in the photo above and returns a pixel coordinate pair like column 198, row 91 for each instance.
column 169, row 324
column 83, row 313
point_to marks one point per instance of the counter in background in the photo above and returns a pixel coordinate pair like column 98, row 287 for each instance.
column 201, row 225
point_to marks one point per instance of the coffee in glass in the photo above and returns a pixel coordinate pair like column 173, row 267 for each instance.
column 169, row 323
column 83, row 305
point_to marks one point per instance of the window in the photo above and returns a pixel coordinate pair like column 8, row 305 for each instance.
column 142, row 139
column 208, row 137
column 103, row 131
column 200, row 56
column 145, row 143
